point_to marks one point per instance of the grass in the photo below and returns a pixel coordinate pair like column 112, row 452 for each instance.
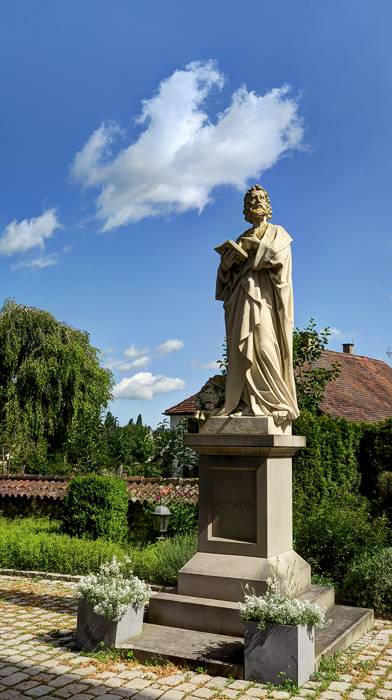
column 35, row 544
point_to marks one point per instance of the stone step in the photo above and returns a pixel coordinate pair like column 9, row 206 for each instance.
column 223, row 654
column 215, row 616
column 324, row 596
column 218, row 654
column 347, row 626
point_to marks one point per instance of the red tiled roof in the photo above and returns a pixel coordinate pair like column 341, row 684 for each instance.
column 186, row 407
column 33, row 486
column 362, row 391
column 139, row 488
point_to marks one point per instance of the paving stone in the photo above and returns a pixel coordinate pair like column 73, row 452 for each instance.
column 204, row 693
column 256, row 692
column 173, row 694
column 227, row 693
column 280, row 694
column 26, row 685
column 137, row 684
column 217, row 682
column 188, row 687
column 387, row 694
column 39, row 691
column 7, row 670
column 69, row 690
column 14, row 678
column 176, row 679
column 148, row 694
column 198, row 679
column 330, row 695
column 357, row 694
column 307, row 692
column 340, row 686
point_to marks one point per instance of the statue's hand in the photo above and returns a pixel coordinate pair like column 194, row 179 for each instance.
column 229, row 258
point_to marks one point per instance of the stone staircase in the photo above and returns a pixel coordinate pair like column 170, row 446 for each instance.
column 208, row 632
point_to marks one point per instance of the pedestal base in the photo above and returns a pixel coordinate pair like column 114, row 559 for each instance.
column 223, row 576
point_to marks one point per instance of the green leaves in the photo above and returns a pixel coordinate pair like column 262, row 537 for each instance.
column 311, row 380
column 52, row 388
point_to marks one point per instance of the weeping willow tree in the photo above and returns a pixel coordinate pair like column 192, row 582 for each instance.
column 52, row 389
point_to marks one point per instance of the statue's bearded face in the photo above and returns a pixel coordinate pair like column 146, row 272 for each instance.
column 256, row 206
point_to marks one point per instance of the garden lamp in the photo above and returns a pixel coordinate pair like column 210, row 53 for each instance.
column 161, row 517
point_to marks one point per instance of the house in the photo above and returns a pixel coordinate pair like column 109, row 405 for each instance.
column 361, row 392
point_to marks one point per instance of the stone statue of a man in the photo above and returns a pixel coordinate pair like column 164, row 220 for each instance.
column 254, row 282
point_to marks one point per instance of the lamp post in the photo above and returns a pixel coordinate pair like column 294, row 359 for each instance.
column 161, row 517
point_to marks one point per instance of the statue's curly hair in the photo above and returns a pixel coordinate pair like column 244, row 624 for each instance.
column 259, row 188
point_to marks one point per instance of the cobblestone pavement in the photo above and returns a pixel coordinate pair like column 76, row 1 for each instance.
column 37, row 660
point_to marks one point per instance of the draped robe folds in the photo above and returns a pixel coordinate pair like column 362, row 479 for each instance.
column 258, row 303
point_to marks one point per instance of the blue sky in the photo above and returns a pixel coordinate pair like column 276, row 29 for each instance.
column 109, row 220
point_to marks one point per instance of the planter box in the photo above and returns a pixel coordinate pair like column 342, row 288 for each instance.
column 93, row 629
column 279, row 649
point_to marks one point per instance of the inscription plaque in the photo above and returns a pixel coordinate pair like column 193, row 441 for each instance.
column 232, row 502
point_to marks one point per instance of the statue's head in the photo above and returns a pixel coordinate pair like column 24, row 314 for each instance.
column 257, row 205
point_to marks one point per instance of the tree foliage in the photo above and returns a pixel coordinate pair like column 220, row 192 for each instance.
column 52, row 388
column 311, row 380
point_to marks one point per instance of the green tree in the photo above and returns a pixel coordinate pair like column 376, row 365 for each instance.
column 311, row 380
column 173, row 456
column 52, row 389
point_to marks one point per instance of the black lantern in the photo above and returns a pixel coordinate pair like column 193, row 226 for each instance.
column 161, row 517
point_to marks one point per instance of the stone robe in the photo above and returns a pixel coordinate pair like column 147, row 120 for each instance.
column 258, row 303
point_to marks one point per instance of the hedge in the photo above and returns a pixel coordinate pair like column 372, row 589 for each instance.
column 30, row 544
column 96, row 507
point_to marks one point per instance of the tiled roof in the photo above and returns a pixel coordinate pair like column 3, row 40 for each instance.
column 139, row 488
column 33, row 486
column 362, row 392
column 363, row 389
column 186, row 407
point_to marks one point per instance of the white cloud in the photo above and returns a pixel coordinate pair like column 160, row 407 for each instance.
column 20, row 236
column 336, row 334
column 133, row 351
column 208, row 365
column 145, row 385
column 182, row 154
column 170, row 346
column 37, row 263
column 123, row 366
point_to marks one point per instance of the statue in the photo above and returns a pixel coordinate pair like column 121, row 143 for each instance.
column 254, row 283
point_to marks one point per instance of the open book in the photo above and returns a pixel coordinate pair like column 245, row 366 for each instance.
column 232, row 245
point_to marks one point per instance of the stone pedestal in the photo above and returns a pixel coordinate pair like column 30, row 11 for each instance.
column 245, row 522
column 245, row 509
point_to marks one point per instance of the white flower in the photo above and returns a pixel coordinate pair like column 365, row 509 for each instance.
column 278, row 607
column 113, row 589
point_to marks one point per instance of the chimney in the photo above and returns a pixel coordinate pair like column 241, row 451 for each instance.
column 348, row 348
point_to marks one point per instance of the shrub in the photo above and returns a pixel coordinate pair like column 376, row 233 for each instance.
column 375, row 455
column 328, row 464
column 335, row 532
column 183, row 519
column 161, row 561
column 31, row 545
column 368, row 583
column 96, row 507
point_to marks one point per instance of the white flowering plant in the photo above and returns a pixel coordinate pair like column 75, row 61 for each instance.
column 113, row 589
column 277, row 607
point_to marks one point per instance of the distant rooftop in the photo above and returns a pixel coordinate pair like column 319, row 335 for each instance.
column 362, row 391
